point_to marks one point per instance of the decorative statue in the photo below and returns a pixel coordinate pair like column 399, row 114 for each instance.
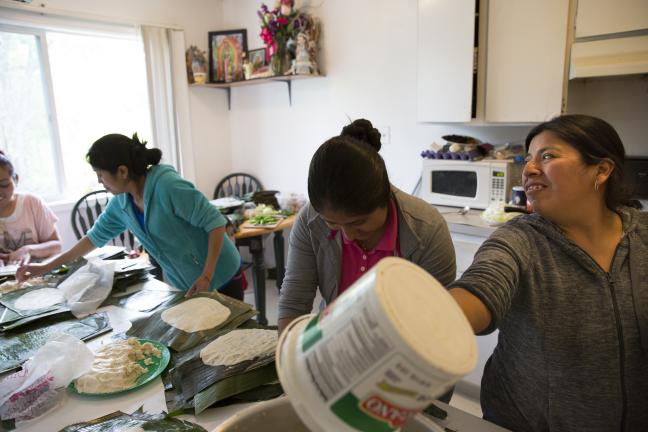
column 303, row 63
column 196, row 65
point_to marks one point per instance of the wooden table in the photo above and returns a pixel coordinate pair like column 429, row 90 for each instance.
column 253, row 239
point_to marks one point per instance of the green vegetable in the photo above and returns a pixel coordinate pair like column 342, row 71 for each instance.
column 263, row 220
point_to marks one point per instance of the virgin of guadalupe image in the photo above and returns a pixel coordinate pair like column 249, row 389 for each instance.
column 228, row 60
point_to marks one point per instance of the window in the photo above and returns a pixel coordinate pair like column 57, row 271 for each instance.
column 60, row 91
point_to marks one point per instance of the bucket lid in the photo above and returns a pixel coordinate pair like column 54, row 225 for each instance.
column 426, row 316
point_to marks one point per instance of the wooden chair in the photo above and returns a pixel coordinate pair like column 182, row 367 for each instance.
column 87, row 210
column 237, row 185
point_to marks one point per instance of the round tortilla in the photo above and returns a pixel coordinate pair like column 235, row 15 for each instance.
column 238, row 346
column 196, row 314
column 39, row 299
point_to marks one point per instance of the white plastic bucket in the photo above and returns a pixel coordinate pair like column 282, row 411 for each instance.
column 379, row 354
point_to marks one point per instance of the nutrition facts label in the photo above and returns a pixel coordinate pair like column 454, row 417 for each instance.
column 334, row 363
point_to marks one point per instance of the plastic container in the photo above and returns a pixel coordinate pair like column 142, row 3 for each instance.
column 379, row 354
column 278, row 415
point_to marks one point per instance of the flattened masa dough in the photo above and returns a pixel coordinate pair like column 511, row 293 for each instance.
column 196, row 314
column 238, row 346
column 39, row 299
column 115, row 366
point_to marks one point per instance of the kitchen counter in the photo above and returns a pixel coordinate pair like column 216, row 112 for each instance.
column 469, row 223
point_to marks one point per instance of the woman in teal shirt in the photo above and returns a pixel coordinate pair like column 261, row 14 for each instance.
column 172, row 220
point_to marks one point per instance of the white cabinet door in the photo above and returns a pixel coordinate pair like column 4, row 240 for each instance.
column 445, row 53
column 525, row 67
column 601, row 17
column 465, row 248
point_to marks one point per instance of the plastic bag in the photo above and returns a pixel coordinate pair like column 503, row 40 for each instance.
column 40, row 385
column 88, row 287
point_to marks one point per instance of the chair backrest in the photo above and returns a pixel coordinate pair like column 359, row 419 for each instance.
column 237, row 185
column 87, row 210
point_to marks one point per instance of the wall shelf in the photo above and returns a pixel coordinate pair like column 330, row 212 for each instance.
column 288, row 79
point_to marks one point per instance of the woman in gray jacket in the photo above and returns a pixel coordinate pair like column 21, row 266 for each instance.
column 356, row 217
column 568, row 289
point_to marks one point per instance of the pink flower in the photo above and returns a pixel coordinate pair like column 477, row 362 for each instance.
column 282, row 20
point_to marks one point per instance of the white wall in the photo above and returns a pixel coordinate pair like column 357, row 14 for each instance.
column 368, row 55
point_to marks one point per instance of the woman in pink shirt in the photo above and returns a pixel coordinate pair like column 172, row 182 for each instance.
column 355, row 218
column 27, row 225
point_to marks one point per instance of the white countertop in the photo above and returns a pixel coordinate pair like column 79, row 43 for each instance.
column 469, row 223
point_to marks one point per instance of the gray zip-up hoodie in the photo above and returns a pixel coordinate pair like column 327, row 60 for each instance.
column 572, row 353
column 314, row 256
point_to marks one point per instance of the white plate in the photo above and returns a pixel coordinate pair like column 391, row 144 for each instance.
column 226, row 202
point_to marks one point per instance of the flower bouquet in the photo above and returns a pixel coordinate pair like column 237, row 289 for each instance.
column 279, row 29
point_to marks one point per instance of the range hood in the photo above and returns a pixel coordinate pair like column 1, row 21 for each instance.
column 609, row 57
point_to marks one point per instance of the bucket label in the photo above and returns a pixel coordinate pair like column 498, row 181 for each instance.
column 386, row 398
column 375, row 414
column 312, row 333
column 334, row 365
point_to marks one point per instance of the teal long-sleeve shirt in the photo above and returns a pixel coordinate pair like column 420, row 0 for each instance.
column 177, row 219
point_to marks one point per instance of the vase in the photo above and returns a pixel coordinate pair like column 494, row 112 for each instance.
column 280, row 61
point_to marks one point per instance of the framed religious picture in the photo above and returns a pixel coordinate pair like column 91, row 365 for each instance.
column 258, row 58
column 226, row 50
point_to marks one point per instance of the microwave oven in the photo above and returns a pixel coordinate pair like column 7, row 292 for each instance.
column 478, row 184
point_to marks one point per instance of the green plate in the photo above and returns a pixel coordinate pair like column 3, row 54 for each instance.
column 152, row 371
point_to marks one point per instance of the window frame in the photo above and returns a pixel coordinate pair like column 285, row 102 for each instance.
column 38, row 25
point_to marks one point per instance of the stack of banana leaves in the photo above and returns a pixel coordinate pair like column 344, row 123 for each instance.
column 193, row 386
column 153, row 327
column 17, row 345
column 119, row 421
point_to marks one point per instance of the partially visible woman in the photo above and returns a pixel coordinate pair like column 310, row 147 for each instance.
column 172, row 220
column 356, row 217
column 27, row 225
column 567, row 287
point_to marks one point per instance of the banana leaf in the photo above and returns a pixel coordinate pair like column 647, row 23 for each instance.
column 121, row 421
column 189, row 375
column 234, row 385
column 152, row 327
column 17, row 346
column 9, row 301
column 20, row 321
column 144, row 300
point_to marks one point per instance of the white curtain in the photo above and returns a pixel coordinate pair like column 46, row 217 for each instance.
column 169, row 96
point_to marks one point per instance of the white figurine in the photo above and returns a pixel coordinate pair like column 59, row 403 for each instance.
column 303, row 64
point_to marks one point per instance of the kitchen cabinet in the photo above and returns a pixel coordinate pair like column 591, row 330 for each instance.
column 605, row 17
column 525, row 60
column 465, row 248
column 521, row 52
column 445, row 54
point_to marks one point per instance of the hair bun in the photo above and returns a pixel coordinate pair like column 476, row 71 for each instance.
column 363, row 130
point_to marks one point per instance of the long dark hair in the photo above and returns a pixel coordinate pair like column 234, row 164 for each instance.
column 113, row 150
column 6, row 164
column 347, row 174
column 595, row 139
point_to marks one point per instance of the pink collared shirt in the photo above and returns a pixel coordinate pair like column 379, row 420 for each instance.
column 355, row 261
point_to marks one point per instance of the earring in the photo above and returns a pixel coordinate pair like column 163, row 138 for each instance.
column 596, row 185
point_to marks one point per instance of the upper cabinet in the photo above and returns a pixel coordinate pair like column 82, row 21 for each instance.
column 514, row 74
column 445, row 54
column 611, row 38
column 604, row 17
column 525, row 60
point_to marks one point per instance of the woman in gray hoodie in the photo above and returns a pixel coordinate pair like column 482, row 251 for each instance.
column 567, row 287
